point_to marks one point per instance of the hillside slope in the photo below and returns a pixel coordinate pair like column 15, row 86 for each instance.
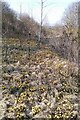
column 41, row 85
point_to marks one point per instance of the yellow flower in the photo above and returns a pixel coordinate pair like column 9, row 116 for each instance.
column 32, row 89
column 35, row 110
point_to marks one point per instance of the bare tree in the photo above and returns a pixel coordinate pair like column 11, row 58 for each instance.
column 70, row 18
column 70, row 21
column 43, row 5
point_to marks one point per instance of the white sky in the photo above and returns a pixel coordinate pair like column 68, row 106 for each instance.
column 53, row 12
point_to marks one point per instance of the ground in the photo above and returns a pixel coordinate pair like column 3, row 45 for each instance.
column 38, row 84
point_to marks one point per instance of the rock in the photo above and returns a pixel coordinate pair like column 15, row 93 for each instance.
column 73, row 97
column 33, row 74
column 40, row 75
column 43, row 106
column 17, row 64
column 0, row 89
column 75, row 113
column 38, row 66
column 15, row 73
column 65, row 66
column 2, row 109
column 9, row 69
column 53, row 104
column 11, row 115
column 76, row 106
column 58, row 86
column 45, row 101
column 33, row 68
column 56, row 92
column 40, row 115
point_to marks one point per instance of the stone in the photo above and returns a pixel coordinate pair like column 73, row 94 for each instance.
column 43, row 105
column 75, row 113
column 76, row 106
column 2, row 109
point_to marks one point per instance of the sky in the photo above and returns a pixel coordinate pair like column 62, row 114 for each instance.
column 53, row 10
